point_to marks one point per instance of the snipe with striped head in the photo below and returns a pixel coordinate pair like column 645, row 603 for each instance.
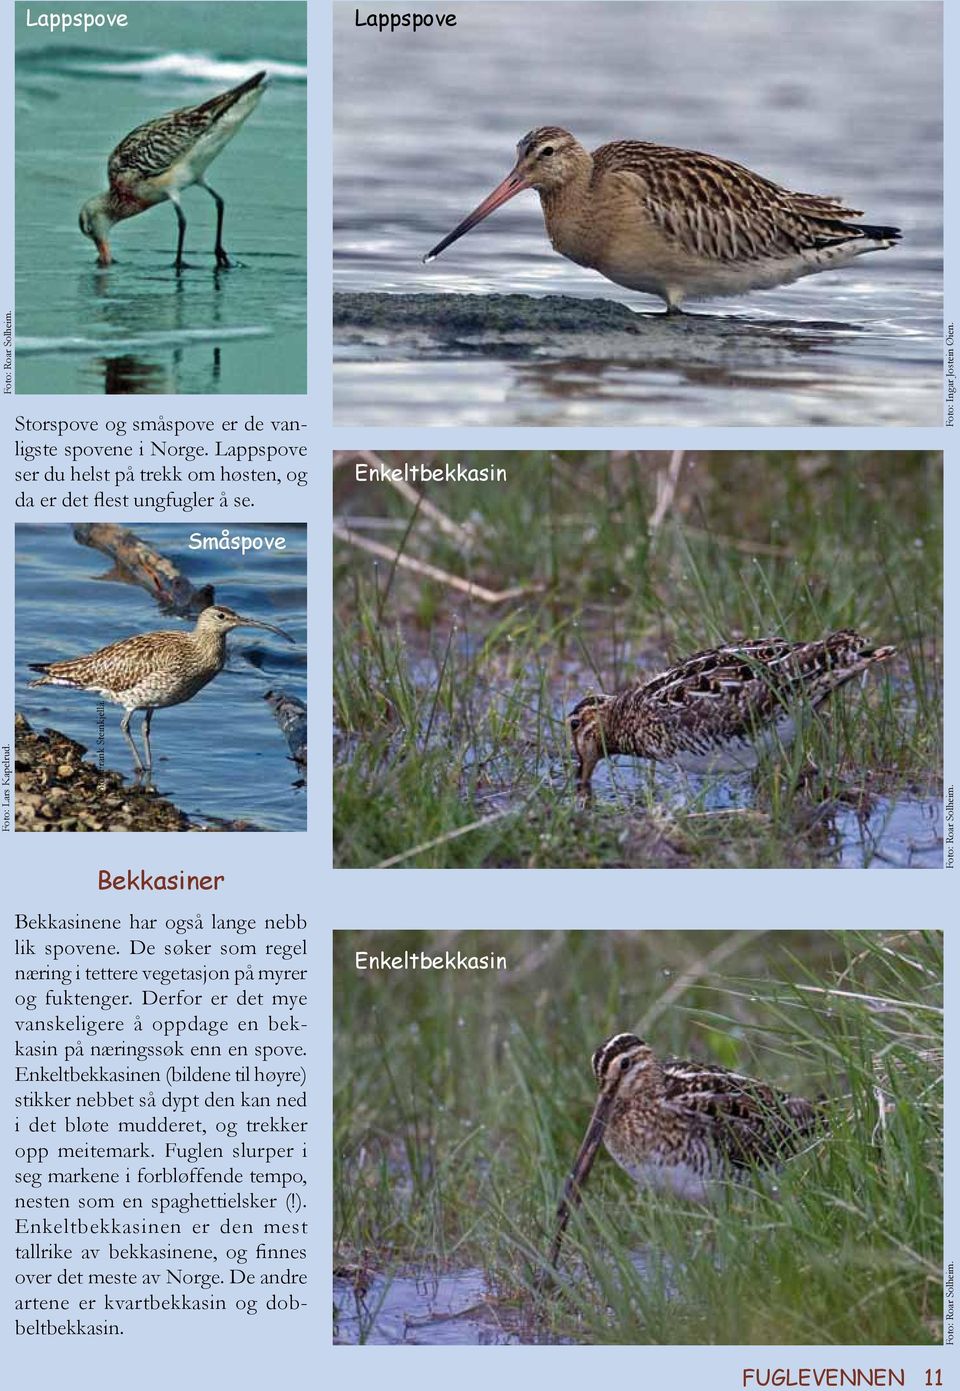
column 682, row 1127
column 718, row 710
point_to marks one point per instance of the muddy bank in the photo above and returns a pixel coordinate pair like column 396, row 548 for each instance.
column 512, row 326
column 56, row 790
column 557, row 360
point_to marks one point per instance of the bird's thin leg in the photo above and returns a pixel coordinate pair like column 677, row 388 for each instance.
column 178, row 263
column 223, row 260
column 125, row 729
column 148, row 716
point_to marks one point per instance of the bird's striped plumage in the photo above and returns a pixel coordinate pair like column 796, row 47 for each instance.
column 720, row 707
column 152, row 149
column 722, row 210
column 682, row 1127
column 722, row 1121
column 160, row 158
column 677, row 223
column 150, row 671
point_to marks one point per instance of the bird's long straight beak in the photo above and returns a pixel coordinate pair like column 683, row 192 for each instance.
column 513, row 184
column 580, row 1172
column 103, row 246
column 255, row 623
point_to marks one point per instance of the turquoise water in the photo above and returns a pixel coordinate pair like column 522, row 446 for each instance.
column 220, row 754
column 137, row 326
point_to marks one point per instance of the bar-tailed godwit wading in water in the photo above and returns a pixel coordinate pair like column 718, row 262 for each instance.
column 676, row 223
column 152, row 670
column 682, row 1127
column 158, row 160
column 717, row 710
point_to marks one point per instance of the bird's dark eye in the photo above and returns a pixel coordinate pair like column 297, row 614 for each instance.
column 624, row 1064
column 547, row 150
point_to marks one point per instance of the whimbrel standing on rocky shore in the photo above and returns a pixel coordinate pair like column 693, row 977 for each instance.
column 151, row 670
column 164, row 156
column 676, row 223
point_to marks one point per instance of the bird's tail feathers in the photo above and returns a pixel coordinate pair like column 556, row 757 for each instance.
column 224, row 100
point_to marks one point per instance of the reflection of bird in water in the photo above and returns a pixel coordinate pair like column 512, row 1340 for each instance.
column 152, row 346
column 164, row 156
column 717, row 710
column 152, row 670
column 682, row 1127
column 126, row 375
column 676, row 223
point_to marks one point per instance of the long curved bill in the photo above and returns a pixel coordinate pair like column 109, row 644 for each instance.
column 580, row 1172
column 255, row 623
column 513, row 184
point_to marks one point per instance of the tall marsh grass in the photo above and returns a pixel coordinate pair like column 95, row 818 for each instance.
column 451, row 742
column 460, row 1101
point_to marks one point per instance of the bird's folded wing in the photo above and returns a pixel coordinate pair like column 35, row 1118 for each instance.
column 720, row 210
column 747, row 1124
column 149, row 151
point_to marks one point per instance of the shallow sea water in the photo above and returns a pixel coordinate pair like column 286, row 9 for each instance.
column 220, row 754
column 138, row 327
column 830, row 98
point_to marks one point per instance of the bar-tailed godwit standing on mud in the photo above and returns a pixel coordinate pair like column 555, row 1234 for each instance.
column 159, row 159
column 676, row 223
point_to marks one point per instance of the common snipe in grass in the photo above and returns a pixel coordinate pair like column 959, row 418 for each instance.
column 682, row 1127
column 676, row 223
column 720, row 708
